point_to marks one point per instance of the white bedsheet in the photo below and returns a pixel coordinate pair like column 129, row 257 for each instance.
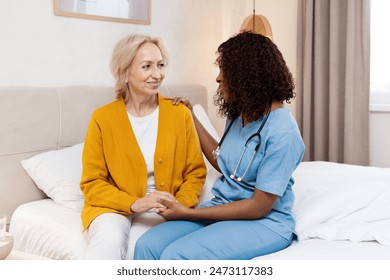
column 337, row 202
column 342, row 212
column 54, row 231
column 319, row 249
column 37, row 230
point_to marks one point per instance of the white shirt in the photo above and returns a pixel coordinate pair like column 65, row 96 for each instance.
column 145, row 130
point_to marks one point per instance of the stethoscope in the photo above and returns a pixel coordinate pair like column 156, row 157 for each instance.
column 217, row 150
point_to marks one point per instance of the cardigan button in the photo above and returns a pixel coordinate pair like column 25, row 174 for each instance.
column 162, row 184
column 160, row 160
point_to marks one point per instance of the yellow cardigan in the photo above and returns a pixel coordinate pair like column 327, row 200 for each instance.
column 114, row 170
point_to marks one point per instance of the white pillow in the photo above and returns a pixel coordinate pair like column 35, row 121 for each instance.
column 342, row 202
column 58, row 173
column 202, row 116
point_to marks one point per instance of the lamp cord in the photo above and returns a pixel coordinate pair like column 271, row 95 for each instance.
column 253, row 19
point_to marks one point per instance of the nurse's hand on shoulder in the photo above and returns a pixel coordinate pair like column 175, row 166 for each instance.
column 178, row 100
column 149, row 201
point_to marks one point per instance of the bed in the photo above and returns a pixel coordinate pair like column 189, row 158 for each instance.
column 342, row 211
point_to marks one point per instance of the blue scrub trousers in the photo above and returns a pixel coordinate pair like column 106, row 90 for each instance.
column 225, row 240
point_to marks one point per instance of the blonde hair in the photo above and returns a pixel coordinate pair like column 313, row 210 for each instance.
column 122, row 56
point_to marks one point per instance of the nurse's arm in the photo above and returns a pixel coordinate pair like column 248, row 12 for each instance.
column 207, row 141
column 247, row 209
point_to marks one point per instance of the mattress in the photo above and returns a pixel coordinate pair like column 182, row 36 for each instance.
column 319, row 249
column 46, row 229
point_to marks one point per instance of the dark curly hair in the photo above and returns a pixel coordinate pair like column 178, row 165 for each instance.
column 254, row 74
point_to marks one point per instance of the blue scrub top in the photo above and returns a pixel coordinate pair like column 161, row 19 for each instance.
column 281, row 150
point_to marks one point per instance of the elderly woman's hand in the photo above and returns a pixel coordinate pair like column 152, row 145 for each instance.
column 150, row 201
column 178, row 100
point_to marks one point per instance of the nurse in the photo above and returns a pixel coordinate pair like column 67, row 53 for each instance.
column 250, row 214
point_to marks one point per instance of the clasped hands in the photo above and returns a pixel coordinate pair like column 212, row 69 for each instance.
column 164, row 203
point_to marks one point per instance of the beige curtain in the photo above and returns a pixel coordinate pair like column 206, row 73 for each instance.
column 333, row 79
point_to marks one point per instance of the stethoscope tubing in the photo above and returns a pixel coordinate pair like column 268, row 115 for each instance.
column 216, row 151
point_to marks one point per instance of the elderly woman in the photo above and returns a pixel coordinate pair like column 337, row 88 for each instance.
column 250, row 214
column 138, row 149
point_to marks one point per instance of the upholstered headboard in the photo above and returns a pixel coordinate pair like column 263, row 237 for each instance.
column 37, row 119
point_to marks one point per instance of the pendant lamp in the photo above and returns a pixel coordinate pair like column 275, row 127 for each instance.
column 257, row 23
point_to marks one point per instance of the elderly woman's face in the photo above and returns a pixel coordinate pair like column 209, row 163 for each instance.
column 146, row 71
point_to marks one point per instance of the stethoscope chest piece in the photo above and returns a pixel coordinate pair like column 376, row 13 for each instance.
column 217, row 150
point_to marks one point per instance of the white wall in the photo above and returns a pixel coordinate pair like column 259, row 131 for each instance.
column 380, row 138
column 38, row 48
